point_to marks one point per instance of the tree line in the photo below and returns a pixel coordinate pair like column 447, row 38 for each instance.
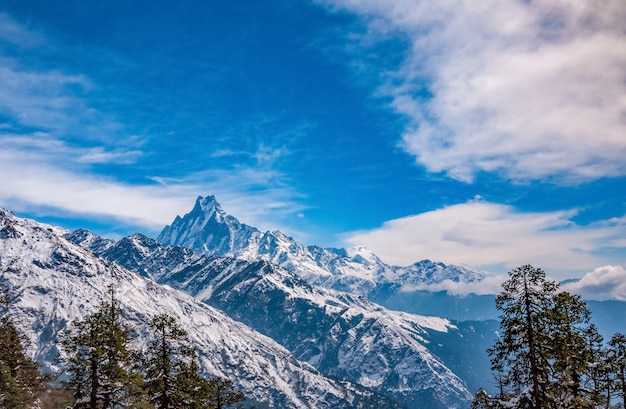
column 549, row 355
column 103, row 370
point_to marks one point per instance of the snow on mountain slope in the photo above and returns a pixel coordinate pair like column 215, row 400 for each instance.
column 53, row 282
column 209, row 230
column 91, row 241
column 342, row 335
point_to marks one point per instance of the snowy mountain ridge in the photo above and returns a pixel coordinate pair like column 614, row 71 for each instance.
column 52, row 282
column 208, row 229
column 344, row 336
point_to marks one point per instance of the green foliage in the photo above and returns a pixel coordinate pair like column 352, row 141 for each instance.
column 548, row 354
column 55, row 397
column 521, row 355
column 215, row 393
column 483, row 400
column 616, row 359
column 172, row 376
column 595, row 380
column 220, row 393
column 20, row 379
column 169, row 364
column 567, row 348
column 106, row 373
column 98, row 360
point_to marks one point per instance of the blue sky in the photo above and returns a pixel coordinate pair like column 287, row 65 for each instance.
column 490, row 134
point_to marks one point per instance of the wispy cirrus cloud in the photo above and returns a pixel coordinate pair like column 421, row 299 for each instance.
column 39, row 99
column 16, row 33
column 45, row 148
column 484, row 235
column 527, row 90
column 39, row 174
column 56, row 139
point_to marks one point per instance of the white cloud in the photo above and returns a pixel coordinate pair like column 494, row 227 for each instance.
column 483, row 235
column 44, row 147
column 603, row 283
column 39, row 172
column 531, row 90
column 490, row 284
column 32, row 181
column 40, row 99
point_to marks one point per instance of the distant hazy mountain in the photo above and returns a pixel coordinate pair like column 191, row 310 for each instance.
column 53, row 281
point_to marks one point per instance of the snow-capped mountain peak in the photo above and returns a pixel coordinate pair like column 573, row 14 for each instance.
column 209, row 230
column 361, row 254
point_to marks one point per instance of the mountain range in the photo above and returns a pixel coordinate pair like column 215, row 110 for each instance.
column 295, row 326
column 52, row 282
column 343, row 335
column 209, row 230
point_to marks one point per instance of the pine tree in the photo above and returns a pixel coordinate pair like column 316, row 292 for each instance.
column 221, row 393
column 521, row 355
column 99, row 361
column 173, row 378
column 616, row 354
column 20, row 379
column 596, row 372
column 568, row 353
column 193, row 387
column 167, row 363
column 483, row 400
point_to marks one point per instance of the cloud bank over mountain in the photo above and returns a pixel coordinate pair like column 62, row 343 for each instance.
column 603, row 283
column 486, row 234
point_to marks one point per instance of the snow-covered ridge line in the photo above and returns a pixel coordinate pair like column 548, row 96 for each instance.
column 53, row 282
column 345, row 336
column 208, row 229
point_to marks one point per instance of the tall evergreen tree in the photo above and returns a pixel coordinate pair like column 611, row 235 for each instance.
column 596, row 382
column 173, row 378
column 521, row 354
column 568, row 353
column 20, row 379
column 616, row 354
column 167, row 363
column 548, row 354
column 98, row 359
column 221, row 393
